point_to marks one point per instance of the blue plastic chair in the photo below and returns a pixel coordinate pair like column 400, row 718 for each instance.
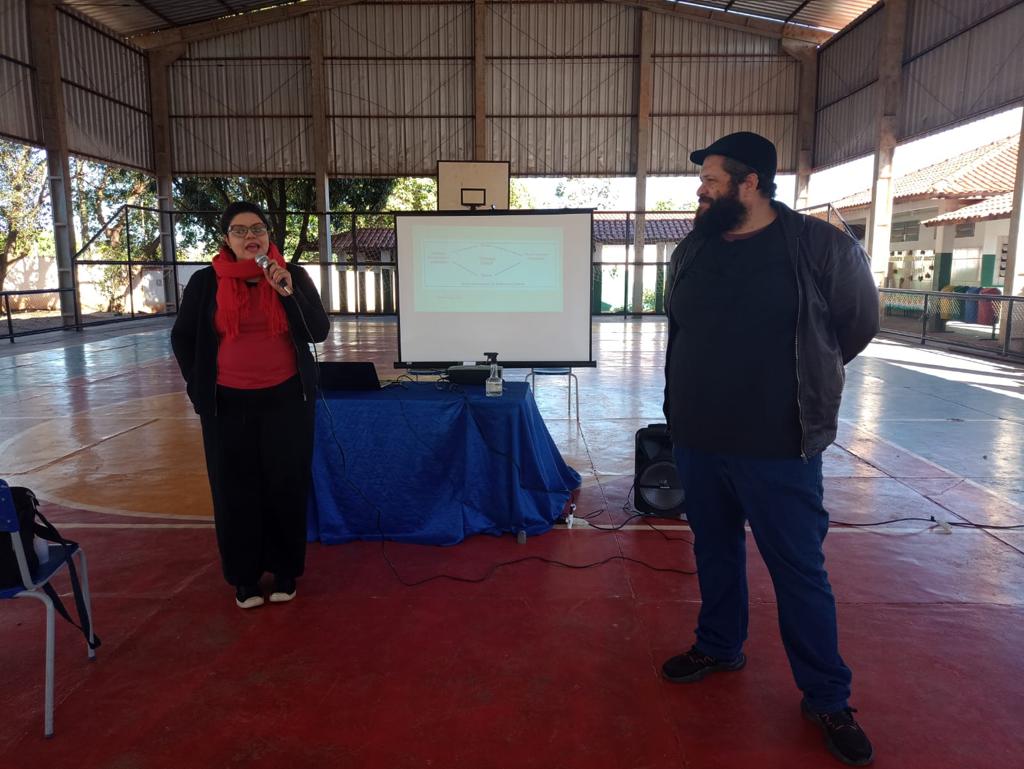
column 571, row 378
column 32, row 587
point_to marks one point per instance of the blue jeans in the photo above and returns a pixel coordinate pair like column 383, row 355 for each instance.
column 782, row 501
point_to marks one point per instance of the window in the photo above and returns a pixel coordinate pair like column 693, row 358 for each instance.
column 905, row 232
column 965, row 230
column 966, row 269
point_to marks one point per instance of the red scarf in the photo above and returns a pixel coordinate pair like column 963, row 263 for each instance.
column 233, row 293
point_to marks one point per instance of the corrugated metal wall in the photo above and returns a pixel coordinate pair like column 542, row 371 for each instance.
column 240, row 103
column 18, row 117
column 960, row 61
column 106, row 95
column 561, row 83
column 975, row 71
column 560, row 79
column 399, row 83
column 710, row 81
column 849, row 128
column 930, row 22
column 847, row 104
column 561, row 87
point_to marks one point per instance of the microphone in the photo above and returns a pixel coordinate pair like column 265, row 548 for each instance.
column 264, row 262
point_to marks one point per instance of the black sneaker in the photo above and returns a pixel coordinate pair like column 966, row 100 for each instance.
column 248, row 596
column 694, row 665
column 284, row 589
column 843, row 735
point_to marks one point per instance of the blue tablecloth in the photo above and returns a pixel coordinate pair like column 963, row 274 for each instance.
column 421, row 464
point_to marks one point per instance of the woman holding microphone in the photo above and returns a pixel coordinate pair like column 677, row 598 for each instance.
column 242, row 340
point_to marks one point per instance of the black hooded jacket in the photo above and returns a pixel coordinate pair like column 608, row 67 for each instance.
column 195, row 341
column 837, row 316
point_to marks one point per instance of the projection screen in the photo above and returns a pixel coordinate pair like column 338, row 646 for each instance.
column 512, row 282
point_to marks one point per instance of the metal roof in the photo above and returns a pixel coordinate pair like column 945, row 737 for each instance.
column 981, row 172
column 609, row 229
column 129, row 17
column 134, row 17
column 832, row 15
column 614, row 229
column 999, row 207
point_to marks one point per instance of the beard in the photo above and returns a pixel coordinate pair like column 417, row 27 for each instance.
column 721, row 215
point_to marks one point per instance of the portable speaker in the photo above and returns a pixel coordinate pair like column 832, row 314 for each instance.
column 656, row 486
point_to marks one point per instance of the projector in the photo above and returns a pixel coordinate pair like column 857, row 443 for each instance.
column 470, row 375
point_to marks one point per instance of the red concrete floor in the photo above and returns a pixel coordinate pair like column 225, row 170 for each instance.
column 537, row 665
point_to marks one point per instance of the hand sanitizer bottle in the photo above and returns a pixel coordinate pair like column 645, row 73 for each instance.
column 493, row 385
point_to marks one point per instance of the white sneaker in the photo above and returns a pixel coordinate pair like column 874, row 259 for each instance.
column 284, row 590
column 248, row 597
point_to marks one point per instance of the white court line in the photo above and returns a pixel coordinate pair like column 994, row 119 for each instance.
column 73, row 505
column 927, row 461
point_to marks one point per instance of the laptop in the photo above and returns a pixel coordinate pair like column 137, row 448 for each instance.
column 348, row 375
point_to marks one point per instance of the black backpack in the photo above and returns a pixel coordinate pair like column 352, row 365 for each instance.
column 31, row 523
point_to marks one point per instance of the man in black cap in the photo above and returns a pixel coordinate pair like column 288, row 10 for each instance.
column 765, row 306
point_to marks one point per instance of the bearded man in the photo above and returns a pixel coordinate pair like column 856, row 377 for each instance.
column 765, row 307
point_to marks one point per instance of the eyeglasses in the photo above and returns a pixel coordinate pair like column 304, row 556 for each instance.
column 240, row 231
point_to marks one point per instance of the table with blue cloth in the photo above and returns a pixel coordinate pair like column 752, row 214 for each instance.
column 419, row 462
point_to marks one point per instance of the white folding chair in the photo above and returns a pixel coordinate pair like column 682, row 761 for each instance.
column 570, row 380
column 32, row 585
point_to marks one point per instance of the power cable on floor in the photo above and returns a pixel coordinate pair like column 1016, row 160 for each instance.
column 493, row 569
column 932, row 519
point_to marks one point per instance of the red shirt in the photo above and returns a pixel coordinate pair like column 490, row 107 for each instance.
column 255, row 359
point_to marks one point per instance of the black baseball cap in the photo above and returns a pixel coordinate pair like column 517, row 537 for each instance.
column 748, row 148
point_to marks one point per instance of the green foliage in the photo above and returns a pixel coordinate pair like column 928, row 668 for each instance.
column 674, row 205
column 519, row 195
column 25, row 224
column 413, row 194
column 114, row 286
column 107, row 230
column 99, row 190
column 584, row 192
column 203, row 199
column 649, row 300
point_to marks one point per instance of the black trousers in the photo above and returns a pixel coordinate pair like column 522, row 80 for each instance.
column 259, row 449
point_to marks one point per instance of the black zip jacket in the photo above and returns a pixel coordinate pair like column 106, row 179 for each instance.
column 837, row 316
column 195, row 341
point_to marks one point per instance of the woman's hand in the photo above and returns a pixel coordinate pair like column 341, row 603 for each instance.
column 278, row 275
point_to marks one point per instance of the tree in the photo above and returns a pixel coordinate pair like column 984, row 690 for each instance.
column 519, row 195
column 107, row 230
column 413, row 194
column 673, row 205
column 99, row 191
column 203, row 198
column 25, row 224
column 584, row 192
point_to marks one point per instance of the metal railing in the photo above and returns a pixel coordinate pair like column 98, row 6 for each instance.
column 358, row 279
column 975, row 321
column 120, row 257
column 125, row 255
column 633, row 284
column 27, row 322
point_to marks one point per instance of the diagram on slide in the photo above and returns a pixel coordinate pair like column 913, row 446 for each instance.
column 506, row 266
